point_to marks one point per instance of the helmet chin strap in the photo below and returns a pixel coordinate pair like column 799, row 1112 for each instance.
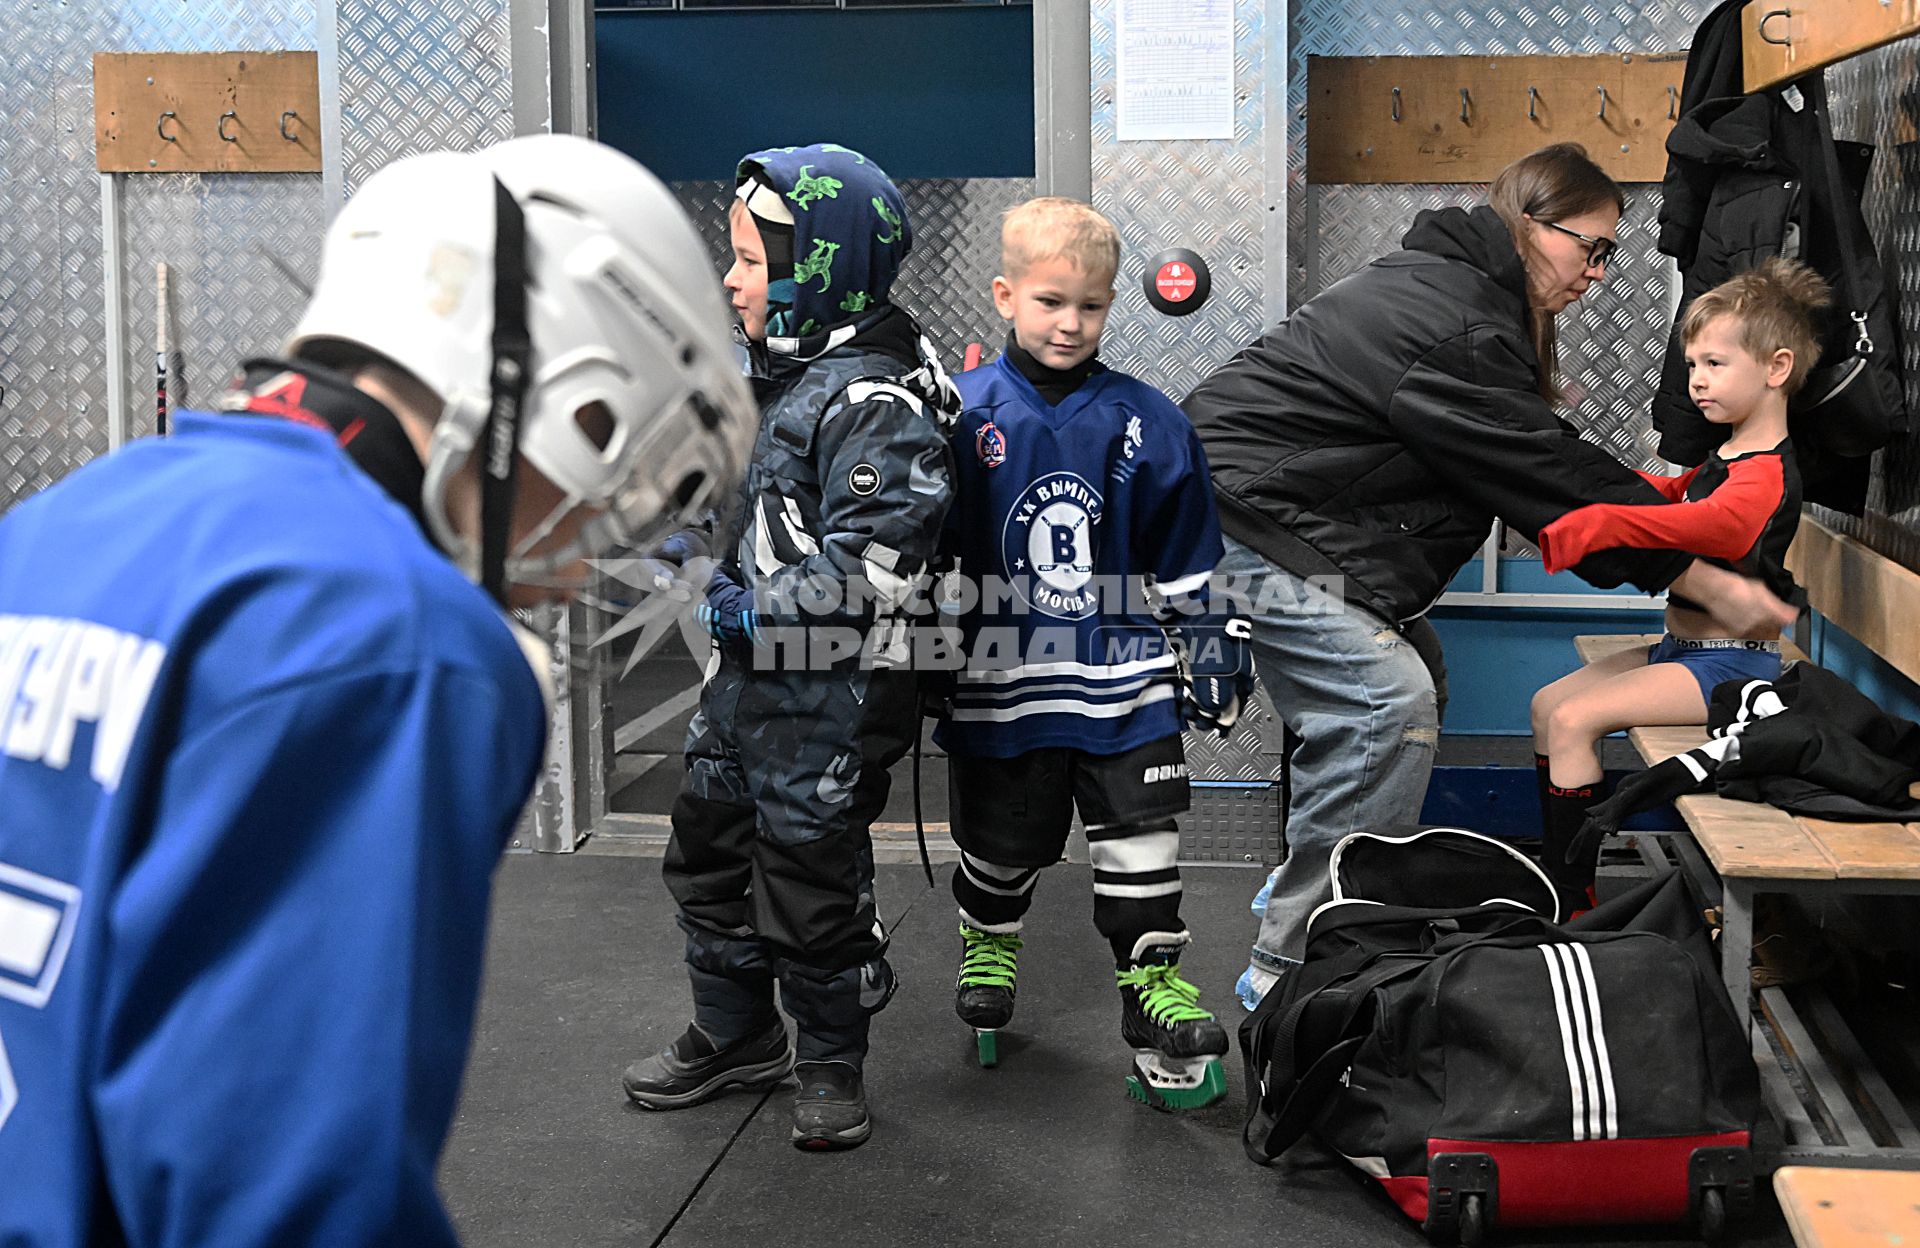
column 512, row 352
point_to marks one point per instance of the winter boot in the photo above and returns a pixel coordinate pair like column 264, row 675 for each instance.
column 983, row 994
column 830, row 1110
column 1177, row 1045
column 693, row 1069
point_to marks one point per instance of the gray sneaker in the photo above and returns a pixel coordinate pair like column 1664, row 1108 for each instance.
column 830, row 1110
column 692, row 1070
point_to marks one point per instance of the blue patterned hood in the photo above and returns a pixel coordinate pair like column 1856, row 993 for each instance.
column 850, row 236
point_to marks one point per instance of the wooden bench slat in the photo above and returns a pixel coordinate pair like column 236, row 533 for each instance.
column 1593, row 646
column 1749, row 840
column 1868, row 851
column 1835, row 1208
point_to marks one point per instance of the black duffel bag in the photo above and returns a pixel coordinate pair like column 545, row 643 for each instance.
column 1486, row 1065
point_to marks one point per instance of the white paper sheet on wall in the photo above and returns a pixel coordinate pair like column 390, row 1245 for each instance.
column 1173, row 69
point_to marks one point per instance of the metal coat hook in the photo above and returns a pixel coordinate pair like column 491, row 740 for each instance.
column 283, row 125
column 1464, row 101
column 1603, row 103
column 1533, row 96
column 1396, row 103
column 1673, row 102
column 161, row 126
column 222, row 127
column 1786, row 13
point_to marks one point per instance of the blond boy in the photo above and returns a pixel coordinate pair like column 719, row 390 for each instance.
column 1085, row 494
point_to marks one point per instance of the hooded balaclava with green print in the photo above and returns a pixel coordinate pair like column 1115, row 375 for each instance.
column 835, row 231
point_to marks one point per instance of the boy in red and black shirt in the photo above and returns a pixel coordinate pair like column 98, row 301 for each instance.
column 1750, row 342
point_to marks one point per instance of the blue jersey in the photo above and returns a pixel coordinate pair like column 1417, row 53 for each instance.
column 260, row 747
column 1064, row 515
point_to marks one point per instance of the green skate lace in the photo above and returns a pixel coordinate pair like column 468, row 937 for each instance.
column 1166, row 998
column 989, row 961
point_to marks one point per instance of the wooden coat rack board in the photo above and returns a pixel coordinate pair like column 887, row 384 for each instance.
column 1377, row 119
column 1787, row 38
column 206, row 112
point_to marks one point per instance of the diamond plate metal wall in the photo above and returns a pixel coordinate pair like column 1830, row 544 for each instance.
column 1875, row 99
column 956, row 252
column 1207, row 195
column 419, row 77
column 1212, row 196
column 215, row 233
column 53, row 318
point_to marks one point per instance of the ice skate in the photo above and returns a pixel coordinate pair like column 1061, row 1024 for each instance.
column 983, row 995
column 1177, row 1046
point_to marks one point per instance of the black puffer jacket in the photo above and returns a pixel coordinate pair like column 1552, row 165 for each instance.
column 1376, row 432
column 1747, row 179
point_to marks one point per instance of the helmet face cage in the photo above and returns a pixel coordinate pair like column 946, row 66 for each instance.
column 625, row 316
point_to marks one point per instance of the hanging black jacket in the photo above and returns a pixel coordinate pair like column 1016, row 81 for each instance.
column 1745, row 181
column 1376, row 432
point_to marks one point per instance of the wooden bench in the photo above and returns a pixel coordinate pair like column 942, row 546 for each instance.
column 1829, row 1208
column 1754, row 848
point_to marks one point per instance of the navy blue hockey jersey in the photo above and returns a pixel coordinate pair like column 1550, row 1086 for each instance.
column 260, row 746
column 1073, row 525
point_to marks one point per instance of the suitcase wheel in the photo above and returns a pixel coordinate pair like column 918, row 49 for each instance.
column 1473, row 1220
column 1711, row 1218
column 1463, row 1192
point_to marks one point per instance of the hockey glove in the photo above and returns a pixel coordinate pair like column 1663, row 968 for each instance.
column 1216, row 671
column 683, row 547
column 728, row 615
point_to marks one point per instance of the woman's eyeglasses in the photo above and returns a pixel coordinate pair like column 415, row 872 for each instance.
column 1599, row 249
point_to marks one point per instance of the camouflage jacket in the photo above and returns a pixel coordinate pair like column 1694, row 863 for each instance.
column 850, row 482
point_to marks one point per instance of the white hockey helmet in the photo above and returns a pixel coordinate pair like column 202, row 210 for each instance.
column 634, row 403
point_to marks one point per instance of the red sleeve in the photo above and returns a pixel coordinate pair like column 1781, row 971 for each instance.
column 1675, row 488
column 1723, row 525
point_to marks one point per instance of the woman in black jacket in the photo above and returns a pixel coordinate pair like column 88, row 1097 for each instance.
column 1361, row 450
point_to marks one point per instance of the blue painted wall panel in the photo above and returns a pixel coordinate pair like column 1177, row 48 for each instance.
column 1498, row 656
column 944, row 93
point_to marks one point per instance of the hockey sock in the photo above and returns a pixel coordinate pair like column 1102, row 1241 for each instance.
column 1563, row 811
column 1136, row 882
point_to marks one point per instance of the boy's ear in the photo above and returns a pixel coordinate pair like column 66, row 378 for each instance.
column 1003, row 298
column 1779, row 368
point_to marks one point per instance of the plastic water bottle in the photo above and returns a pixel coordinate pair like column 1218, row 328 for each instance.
column 1253, row 984
column 1266, row 892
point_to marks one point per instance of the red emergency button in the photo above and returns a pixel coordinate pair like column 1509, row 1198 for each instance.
column 1176, row 282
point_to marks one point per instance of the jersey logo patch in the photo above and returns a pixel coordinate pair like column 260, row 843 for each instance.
column 990, row 445
column 1049, row 532
column 864, row 479
column 37, row 920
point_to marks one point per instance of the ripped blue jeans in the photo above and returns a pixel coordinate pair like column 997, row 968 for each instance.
column 1364, row 700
